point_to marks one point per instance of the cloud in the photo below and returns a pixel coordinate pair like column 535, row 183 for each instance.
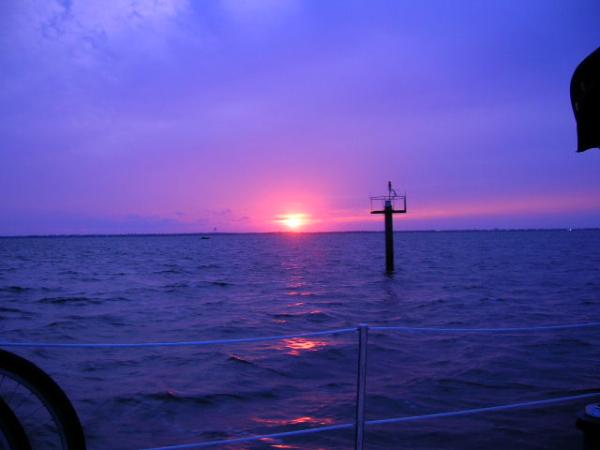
column 87, row 32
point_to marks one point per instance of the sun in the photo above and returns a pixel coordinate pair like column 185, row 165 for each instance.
column 293, row 222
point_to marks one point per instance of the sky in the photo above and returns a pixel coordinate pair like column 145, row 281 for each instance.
column 174, row 116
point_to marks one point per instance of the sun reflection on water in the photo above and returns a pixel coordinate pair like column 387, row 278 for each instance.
column 302, row 420
column 295, row 346
column 296, row 421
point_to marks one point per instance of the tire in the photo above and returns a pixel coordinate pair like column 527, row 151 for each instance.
column 12, row 434
column 39, row 386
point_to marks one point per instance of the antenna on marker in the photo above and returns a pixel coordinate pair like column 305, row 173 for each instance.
column 391, row 191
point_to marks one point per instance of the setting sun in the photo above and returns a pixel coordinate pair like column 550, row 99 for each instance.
column 293, row 222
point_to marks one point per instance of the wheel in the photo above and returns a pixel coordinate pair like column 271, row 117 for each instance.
column 38, row 406
column 12, row 434
column 43, row 410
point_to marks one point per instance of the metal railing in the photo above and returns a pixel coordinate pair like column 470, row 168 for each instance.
column 361, row 386
column 397, row 202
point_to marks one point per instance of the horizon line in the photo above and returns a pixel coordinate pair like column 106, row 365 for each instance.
column 223, row 233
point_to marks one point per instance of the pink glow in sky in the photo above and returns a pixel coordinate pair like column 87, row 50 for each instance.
column 179, row 116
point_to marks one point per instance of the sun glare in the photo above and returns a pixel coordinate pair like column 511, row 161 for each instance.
column 293, row 222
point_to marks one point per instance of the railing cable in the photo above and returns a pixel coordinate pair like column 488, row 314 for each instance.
column 301, row 335
column 177, row 344
column 486, row 330
column 344, row 426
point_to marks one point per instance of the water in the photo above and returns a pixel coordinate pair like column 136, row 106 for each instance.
column 159, row 288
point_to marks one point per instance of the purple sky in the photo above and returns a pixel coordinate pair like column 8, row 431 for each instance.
column 177, row 116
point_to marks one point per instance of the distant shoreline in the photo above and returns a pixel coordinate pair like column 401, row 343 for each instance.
column 212, row 234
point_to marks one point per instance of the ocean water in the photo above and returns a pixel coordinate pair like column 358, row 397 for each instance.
column 171, row 288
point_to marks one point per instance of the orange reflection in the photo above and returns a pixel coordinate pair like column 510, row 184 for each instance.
column 296, row 421
column 313, row 420
column 299, row 345
column 299, row 293
column 275, row 443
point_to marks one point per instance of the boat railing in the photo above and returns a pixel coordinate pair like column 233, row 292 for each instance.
column 360, row 421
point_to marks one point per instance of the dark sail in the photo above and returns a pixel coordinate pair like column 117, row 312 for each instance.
column 585, row 98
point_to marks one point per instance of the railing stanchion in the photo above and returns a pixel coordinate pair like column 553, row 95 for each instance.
column 361, row 386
